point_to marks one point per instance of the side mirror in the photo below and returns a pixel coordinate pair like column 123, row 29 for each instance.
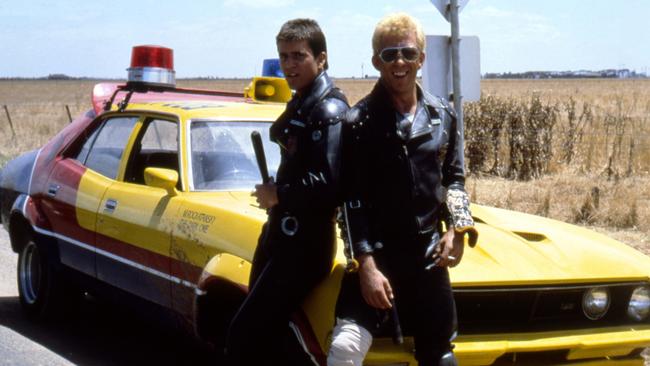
column 162, row 178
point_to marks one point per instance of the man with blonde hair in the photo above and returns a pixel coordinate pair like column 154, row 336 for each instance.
column 403, row 175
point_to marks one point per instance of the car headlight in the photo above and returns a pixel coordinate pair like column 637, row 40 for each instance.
column 639, row 306
column 595, row 302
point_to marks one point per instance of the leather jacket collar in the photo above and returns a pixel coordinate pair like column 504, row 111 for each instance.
column 423, row 122
column 319, row 88
column 300, row 107
column 380, row 94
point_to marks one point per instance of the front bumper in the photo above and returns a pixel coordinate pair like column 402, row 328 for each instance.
column 602, row 346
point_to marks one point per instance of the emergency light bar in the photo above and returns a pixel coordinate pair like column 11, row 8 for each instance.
column 152, row 65
column 271, row 67
column 152, row 71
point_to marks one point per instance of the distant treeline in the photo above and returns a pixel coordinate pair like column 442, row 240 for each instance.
column 67, row 77
column 55, row 77
column 609, row 73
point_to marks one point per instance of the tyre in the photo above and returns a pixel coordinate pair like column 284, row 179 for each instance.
column 39, row 283
column 216, row 310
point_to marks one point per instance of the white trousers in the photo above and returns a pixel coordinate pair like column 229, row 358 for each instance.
column 350, row 344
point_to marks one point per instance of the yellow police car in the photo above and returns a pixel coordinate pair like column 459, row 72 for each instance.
column 149, row 193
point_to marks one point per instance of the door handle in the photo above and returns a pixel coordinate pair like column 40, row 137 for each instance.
column 52, row 189
column 111, row 204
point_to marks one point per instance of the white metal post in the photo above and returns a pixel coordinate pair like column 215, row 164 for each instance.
column 455, row 58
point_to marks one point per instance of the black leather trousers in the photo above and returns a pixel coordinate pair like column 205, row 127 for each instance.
column 282, row 275
column 424, row 300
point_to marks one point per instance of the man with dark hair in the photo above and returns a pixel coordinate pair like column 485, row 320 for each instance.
column 403, row 175
column 304, row 30
column 297, row 245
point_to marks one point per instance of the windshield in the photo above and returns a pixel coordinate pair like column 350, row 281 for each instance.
column 222, row 155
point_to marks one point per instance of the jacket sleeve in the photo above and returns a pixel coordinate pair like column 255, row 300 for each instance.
column 355, row 225
column 453, row 168
column 316, row 187
column 457, row 201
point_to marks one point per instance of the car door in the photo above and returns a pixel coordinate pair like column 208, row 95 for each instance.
column 135, row 221
column 76, row 186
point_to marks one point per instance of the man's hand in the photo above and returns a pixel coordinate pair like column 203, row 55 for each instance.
column 266, row 194
column 375, row 288
column 451, row 249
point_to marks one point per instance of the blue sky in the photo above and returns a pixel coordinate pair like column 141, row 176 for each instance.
column 229, row 38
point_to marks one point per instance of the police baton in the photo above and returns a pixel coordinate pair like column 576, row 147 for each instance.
column 398, row 337
column 256, row 139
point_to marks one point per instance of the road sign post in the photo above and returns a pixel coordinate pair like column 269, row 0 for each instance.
column 439, row 64
column 443, row 6
column 455, row 58
column 437, row 69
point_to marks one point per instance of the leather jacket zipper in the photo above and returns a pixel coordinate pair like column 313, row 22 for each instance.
column 413, row 186
column 411, row 174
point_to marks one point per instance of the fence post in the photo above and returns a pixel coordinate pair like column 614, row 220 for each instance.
column 67, row 109
column 11, row 125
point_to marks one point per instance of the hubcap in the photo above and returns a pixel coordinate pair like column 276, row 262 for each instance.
column 30, row 272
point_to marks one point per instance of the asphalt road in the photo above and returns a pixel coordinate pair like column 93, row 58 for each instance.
column 99, row 334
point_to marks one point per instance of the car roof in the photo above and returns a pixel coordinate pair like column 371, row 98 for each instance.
column 188, row 103
column 213, row 109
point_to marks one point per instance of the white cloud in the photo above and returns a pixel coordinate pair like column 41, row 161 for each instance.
column 258, row 4
column 512, row 40
column 421, row 10
column 347, row 22
column 491, row 11
column 312, row 13
column 508, row 26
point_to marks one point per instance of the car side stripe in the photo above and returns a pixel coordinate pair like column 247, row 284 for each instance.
column 302, row 342
column 121, row 259
column 31, row 175
column 25, row 207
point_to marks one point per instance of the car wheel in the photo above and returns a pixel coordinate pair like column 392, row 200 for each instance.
column 41, row 294
column 216, row 310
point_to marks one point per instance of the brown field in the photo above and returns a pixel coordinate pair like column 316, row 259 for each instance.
column 572, row 150
column 604, row 184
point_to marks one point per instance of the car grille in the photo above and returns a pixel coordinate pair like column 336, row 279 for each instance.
column 501, row 310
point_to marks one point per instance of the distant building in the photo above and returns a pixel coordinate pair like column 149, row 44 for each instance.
column 608, row 73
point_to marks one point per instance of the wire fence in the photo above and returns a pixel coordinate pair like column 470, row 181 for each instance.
column 515, row 138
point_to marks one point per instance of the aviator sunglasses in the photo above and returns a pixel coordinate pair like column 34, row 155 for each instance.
column 409, row 54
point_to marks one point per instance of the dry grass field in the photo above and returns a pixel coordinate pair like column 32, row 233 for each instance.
column 572, row 150
column 583, row 144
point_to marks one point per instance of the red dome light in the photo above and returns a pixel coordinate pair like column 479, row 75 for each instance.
column 152, row 56
column 152, row 65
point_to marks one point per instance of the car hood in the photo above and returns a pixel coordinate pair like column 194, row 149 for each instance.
column 521, row 249
column 518, row 249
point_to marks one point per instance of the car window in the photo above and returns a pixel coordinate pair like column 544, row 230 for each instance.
column 157, row 147
column 160, row 135
column 85, row 148
column 222, row 155
column 106, row 151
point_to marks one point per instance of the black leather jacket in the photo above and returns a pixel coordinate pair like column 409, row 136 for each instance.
column 309, row 134
column 396, row 183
